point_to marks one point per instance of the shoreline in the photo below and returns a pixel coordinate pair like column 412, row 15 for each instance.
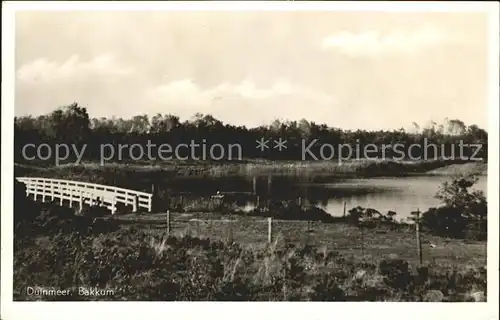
column 205, row 169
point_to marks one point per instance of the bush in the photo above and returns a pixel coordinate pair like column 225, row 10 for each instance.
column 396, row 273
column 464, row 211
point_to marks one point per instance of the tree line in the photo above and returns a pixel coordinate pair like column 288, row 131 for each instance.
column 72, row 124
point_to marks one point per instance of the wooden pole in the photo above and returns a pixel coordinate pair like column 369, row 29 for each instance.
column 198, row 227
column 362, row 240
column 345, row 208
column 269, row 230
column 269, row 184
column 269, row 188
column 168, row 222
column 230, row 230
column 419, row 244
column 254, row 185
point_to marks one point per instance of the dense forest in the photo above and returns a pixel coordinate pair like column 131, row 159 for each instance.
column 73, row 125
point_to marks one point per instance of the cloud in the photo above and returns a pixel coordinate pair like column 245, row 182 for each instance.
column 242, row 103
column 43, row 70
column 188, row 92
column 373, row 42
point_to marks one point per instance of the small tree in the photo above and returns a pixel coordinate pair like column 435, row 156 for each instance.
column 462, row 208
column 391, row 215
column 456, row 194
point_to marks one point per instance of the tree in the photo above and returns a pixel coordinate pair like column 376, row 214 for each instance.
column 391, row 215
column 457, row 194
column 463, row 209
column 68, row 124
column 456, row 127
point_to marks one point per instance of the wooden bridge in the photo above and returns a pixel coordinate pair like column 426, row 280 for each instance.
column 86, row 193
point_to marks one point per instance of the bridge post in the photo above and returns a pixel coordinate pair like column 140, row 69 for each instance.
column 71, row 198
column 43, row 191
column 81, row 200
column 113, row 205
column 136, row 202
column 269, row 230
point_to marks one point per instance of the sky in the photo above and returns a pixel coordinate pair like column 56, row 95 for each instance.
column 352, row 70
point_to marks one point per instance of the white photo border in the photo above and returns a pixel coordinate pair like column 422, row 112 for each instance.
column 194, row 310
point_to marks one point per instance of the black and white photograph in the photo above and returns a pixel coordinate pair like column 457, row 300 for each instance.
column 280, row 155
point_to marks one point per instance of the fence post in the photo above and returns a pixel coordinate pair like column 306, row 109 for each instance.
column 198, row 226
column 269, row 229
column 269, row 185
column 168, row 222
column 150, row 204
column 254, row 185
column 230, row 237
column 419, row 244
column 52, row 191
column 362, row 236
column 344, row 208
column 258, row 202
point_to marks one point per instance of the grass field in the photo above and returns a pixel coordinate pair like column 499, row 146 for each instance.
column 355, row 168
column 362, row 244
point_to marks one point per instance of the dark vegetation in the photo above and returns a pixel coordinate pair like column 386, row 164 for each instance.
column 73, row 125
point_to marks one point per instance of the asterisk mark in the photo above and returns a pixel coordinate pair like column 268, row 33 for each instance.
column 280, row 144
column 262, row 144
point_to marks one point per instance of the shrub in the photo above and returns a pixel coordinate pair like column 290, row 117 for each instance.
column 396, row 273
column 464, row 211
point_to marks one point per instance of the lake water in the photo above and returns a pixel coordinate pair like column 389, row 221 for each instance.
column 402, row 195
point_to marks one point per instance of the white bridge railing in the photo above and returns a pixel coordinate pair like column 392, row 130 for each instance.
column 86, row 193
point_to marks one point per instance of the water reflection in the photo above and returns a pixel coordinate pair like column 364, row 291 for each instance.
column 402, row 195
